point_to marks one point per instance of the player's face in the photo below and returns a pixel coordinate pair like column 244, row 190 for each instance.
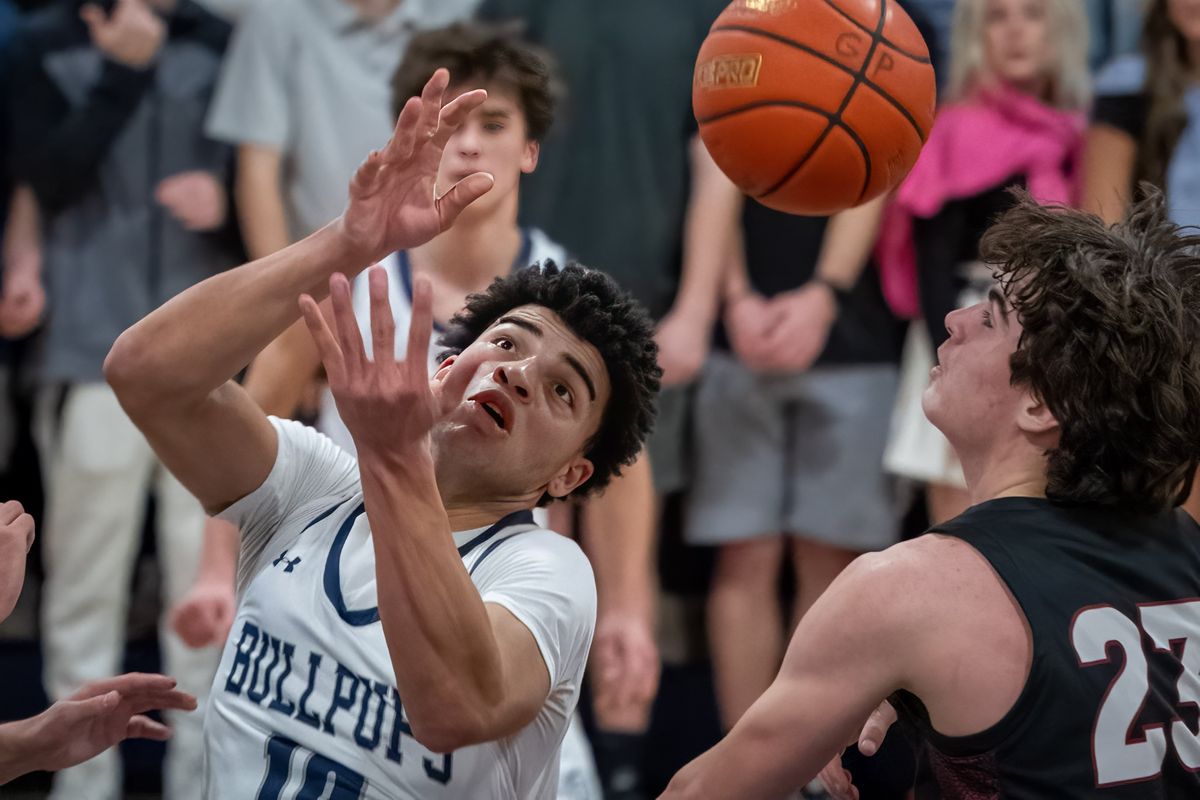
column 494, row 139
column 534, row 397
column 970, row 397
column 1185, row 16
column 1017, row 42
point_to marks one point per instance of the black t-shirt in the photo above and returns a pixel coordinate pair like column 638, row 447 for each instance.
column 612, row 179
column 1111, row 598
column 948, row 239
column 1125, row 112
column 781, row 255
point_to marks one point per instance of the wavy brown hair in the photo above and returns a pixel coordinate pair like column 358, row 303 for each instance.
column 1111, row 344
column 1168, row 70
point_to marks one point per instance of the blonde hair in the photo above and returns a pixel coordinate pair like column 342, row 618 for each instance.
column 1070, row 81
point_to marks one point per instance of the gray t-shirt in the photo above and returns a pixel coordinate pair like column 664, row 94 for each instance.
column 309, row 78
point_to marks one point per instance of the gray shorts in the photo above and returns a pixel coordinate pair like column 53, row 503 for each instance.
column 798, row 454
column 668, row 442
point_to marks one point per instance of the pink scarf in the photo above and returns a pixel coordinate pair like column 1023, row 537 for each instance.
column 974, row 146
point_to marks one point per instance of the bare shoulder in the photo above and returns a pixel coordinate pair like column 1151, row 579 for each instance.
column 970, row 645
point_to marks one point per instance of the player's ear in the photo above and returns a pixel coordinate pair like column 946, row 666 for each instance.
column 1035, row 417
column 570, row 477
column 444, row 369
column 529, row 158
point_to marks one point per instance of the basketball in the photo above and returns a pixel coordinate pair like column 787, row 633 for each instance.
column 814, row 106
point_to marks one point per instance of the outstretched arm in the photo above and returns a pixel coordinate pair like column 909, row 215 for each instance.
column 172, row 369
column 848, row 654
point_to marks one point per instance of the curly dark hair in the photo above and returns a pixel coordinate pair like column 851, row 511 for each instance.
column 1111, row 326
column 478, row 53
column 598, row 311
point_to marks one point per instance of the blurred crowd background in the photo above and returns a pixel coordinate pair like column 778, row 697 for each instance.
column 147, row 144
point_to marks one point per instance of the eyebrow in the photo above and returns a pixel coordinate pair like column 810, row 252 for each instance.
column 995, row 296
column 532, row 327
column 571, row 360
column 496, row 112
column 587, row 381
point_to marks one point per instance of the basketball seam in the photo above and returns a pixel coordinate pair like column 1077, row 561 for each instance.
column 883, row 93
column 887, row 41
column 836, row 119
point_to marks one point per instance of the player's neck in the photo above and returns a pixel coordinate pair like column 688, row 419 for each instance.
column 468, row 516
column 1017, row 471
column 474, row 251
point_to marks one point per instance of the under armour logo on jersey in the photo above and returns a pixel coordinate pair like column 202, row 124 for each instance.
column 283, row 559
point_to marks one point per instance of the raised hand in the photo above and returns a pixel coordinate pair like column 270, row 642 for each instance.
column 393, row 202
column 387, row 405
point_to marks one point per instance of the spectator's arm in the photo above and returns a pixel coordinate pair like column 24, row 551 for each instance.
column 56, row 148
column 16, row 537
column 23, row 294
column 847, row 245
column 709, row 237
column 1108, row 163
column 258, row 191
column 618, row 534
column 280, row 373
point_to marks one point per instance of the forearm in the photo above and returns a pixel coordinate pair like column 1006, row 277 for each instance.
column 847, row 244
column 619, row 537
column 710, row 227
column 198, row 340
column 258, row 195
column 22, row 234
column 219, row 553
column 444, row 653
column 12, row 573
column 15, row 756
column 57, row 149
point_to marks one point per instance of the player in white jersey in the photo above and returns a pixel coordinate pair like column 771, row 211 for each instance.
column 406, row 605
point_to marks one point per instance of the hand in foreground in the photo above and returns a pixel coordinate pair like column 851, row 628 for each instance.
column 837, row 779
column 196, row 199
column 95, row 718
column 387, row 405
column 392, row 202
column 205, row 614
column 625, row 670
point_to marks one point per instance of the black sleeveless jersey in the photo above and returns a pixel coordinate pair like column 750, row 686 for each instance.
column 1111, row 708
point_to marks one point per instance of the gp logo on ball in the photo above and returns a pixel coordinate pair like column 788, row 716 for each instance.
column 729, row 71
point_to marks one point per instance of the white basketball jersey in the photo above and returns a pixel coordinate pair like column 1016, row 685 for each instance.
column 536, row 247
column 304, row 703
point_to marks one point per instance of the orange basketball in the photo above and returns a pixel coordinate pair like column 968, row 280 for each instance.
column 814, row 106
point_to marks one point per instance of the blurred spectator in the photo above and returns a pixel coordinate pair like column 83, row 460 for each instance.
column 790, row 426
column 1114, row 27
column 1146, row 125
column 106, row 116
column 1014, row 117
column 90, row 721
column 613, row 186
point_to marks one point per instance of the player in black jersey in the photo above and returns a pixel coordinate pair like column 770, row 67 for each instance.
column 1046, row 643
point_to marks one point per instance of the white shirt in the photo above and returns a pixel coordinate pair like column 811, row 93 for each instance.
column 536, row 247
column 311, row 80
column 304, row 699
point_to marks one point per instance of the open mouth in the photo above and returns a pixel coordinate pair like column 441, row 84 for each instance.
column 494, row 413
